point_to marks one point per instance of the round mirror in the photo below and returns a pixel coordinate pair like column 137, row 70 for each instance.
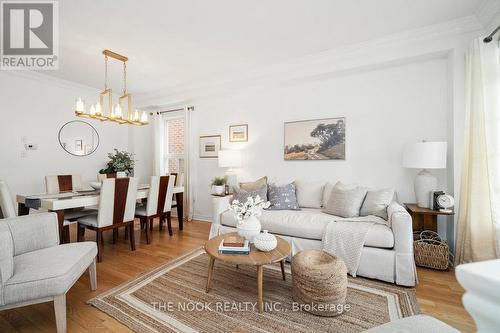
column 78, row 138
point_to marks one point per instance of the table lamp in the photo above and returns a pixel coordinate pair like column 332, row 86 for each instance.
column 230, row 159
column 425, row 155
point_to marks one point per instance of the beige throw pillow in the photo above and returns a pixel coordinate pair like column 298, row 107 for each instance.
column 376, row 202
column 309, row 194
column 254, row 186
column 345, row 202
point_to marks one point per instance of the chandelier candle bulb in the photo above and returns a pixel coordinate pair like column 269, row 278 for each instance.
column 98, row 109
column 144, row 117
column 118, row 111
column 92, row 110
column 80, row 105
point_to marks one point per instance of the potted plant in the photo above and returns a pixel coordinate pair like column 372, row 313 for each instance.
column 246, row 213
column 121, row 163
column 218, row 185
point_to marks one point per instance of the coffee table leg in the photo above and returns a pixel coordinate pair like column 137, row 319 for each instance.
column 259, row 287
column 282, row 264
column 210, row 271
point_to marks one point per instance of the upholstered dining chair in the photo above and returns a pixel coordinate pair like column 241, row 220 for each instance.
column 102, row 176
column 159, row 204
column 62, row 183
column 7, row 208
column 116, row 210
column 34, row 268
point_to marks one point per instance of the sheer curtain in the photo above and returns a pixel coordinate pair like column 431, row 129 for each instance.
column 159, row 128
column 479, row 210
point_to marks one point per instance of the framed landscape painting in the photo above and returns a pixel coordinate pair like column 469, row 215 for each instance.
column 210, row 146
column 318, row 139
column 238, row 133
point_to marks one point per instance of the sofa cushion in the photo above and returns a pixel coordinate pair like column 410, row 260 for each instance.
column 253, row 186
column 242, row 195
column 48, row 272
column 345, row 202
column 311, row 224
column 6, row 254
column 329, row 187
column 376, row 202
column 282, row 197
column 309, row 194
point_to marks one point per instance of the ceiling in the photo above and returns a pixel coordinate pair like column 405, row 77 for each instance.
column 179, row 42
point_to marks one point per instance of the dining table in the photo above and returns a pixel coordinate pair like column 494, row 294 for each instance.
column 59, row 202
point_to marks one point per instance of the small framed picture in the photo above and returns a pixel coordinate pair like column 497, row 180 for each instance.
column 78, row 145
column 210, row 146
column 238, row 133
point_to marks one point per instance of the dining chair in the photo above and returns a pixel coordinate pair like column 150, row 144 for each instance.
column 7, row 208
column 116, row 210
column 179, row 181
column 102, row 176
column 159, row 204
column 62, row 183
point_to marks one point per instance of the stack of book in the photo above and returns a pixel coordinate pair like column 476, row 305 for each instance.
column 234, row 245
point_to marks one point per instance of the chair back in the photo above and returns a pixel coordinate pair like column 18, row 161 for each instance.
column 117, row 201
column 7, row 208
column 102, row 176
column 179, row 178
column 160, row 195
column 62, row 183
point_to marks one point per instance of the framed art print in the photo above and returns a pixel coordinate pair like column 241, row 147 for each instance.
column 210, row 146
column 317, row 139
column 238, row 133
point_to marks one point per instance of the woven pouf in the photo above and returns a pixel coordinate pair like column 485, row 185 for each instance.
column 319, row 282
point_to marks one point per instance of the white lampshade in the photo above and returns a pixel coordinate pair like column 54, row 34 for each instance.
column 425, row 155
column 229, row 158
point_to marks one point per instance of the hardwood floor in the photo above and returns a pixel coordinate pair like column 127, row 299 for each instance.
column 438, row 293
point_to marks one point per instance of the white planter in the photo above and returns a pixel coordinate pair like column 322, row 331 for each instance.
column 249, row 228
column 265, row 241
column 218, row 189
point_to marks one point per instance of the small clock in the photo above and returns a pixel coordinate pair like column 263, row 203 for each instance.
column 445, row 202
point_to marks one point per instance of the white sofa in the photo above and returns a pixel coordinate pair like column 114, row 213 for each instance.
column 387, row 254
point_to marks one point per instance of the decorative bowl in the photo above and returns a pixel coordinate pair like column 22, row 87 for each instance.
column 95, row 185
column 265, row 241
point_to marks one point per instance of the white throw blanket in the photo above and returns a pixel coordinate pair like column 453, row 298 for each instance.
column 345, row 238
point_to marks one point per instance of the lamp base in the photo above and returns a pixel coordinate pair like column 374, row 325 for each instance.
column 424, row 183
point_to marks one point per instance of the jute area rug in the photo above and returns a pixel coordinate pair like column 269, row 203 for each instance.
column 172, row 298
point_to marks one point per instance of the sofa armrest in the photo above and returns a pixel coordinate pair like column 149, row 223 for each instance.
column 220, row 205
column 33, row 232
column 401, row 224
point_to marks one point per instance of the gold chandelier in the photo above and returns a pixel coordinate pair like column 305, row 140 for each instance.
column 110, row 112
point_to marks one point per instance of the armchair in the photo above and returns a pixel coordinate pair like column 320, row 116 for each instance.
column 34, row 268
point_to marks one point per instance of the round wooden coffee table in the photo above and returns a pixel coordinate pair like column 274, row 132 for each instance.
column 255, row 258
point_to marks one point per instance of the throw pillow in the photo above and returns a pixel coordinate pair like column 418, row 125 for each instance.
column 376, row 202
column 345, row 202
column 282, row 197
column 329, row 187
column 254, row 186
column 242, row 195
column 309, row 194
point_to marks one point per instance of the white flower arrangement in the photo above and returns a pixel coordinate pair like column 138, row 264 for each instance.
column 252, row 207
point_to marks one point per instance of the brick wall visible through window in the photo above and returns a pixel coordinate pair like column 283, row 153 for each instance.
column 175, row 144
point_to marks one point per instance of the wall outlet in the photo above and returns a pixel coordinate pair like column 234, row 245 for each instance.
column 31, row 146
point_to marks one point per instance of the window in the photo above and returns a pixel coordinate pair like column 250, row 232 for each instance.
column 174, row 153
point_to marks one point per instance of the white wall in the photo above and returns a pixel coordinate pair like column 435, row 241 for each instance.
column 384, row 109
column 34, row 107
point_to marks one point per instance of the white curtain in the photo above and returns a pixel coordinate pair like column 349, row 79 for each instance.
column 158, row 168
column 479, row 210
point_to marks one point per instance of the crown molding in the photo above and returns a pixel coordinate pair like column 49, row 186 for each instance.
column 413, row 44
column 45, row 78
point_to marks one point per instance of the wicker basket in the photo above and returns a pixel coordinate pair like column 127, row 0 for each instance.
column 430, row 250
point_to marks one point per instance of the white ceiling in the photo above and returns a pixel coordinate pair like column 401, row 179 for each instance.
column 178, row 42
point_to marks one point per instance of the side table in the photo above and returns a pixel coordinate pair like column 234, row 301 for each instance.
column 424, row 218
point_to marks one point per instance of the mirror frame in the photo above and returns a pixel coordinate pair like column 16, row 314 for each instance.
column 78, row 121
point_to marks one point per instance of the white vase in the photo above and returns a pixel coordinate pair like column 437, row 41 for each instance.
column 121, row 174
column 249, row 228
column 265, row 241
column 218, row 189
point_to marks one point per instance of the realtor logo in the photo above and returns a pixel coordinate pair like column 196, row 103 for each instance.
column 29, row 37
